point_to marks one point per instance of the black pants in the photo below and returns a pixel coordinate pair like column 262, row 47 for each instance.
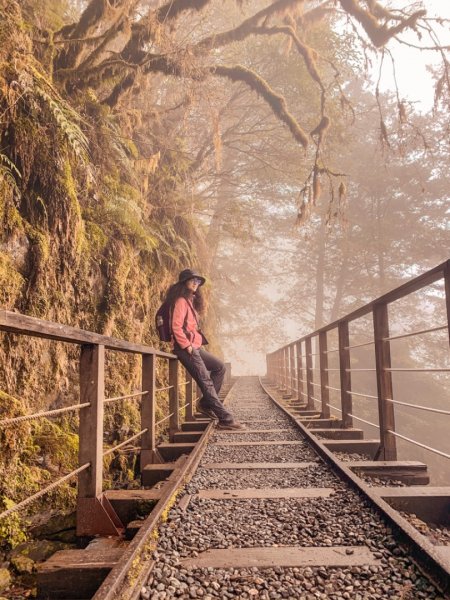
column 208, row 371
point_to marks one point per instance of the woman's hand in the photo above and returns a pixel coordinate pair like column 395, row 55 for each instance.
column 190, row 349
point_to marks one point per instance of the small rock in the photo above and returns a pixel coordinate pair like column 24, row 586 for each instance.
column 5, row 579
column 22, row 564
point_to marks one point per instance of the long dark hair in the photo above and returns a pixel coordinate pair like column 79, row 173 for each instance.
column 180, row 290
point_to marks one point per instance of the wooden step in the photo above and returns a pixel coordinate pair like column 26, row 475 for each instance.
column 285, row 556
column 340, row 434
column 367, row 447
column 429, row 503
column 304, row 412
column 312, row 423
column 187, row 436
column 153, row 474
column 75, row 574
column 409, row 471
column 132, row 528
column 129, row 504
column 195, row 425
column 265, row 493
column 172, row 451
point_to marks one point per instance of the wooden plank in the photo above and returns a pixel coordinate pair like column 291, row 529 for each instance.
column 171, row 452
column 369, row 447
column 187, row 436
column 264, row 493
column 195, row 425
column 285, row 556
column 130, row 504
column 234, row 432
column 312, row 423
column 409, row 472
column 72, row 574
column 153, row 474
column 262, row 465
column 278, row 443
column 340, row 434
column 429, row 503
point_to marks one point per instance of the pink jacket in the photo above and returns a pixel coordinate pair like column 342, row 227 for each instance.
column 185, row 335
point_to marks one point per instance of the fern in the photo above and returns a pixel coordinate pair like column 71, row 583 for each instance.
column 9, row 172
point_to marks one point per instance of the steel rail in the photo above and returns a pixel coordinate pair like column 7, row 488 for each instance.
column 416, row 443
column 412, row 333
column 430, row 370
column 184, row 406
column 124, row 443
column 165, row 419
column 362, row 395
column 364, row 421
column 333, row 388
column 44, row 491
column 163, row 389
column 359, row 345
column 106, row 400
column 46, row 413
column 418, row 406
column 138, row 555
column 421, row 549
column 334, row 407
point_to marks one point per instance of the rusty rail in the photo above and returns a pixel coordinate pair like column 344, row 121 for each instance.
column 287, row 365
column 91, row 407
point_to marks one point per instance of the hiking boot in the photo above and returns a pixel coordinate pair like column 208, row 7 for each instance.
column 204, row 410
column 231, row 426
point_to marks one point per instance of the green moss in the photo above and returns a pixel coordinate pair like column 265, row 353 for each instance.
column 95, row 237
column 11, row 282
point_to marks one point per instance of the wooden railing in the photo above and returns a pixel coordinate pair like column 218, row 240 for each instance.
column 94, row 513
column 288, row 366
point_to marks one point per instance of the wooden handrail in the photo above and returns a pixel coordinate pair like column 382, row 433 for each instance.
column 13, row 322
column 403, row 290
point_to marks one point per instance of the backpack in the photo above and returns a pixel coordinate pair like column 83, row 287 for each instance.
column 163, row 322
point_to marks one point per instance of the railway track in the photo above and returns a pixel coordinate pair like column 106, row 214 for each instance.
column 267, row 513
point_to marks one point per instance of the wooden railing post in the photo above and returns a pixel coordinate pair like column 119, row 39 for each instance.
column 388, row 447
column 92, row 389
column 285, row 370
column 148, row 440
column 190, row 396
column 300, row 386
column 309, row 374
column 292, row 369
column 324, row 391
column 346, row 381
column 447, row 295
column 174, row 421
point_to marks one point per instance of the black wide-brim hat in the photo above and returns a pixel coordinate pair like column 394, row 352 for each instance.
column 190, row 274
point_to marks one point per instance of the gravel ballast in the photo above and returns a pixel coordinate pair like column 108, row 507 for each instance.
column 343, row 519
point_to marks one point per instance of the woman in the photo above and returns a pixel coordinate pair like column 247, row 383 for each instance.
column 208, row 371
